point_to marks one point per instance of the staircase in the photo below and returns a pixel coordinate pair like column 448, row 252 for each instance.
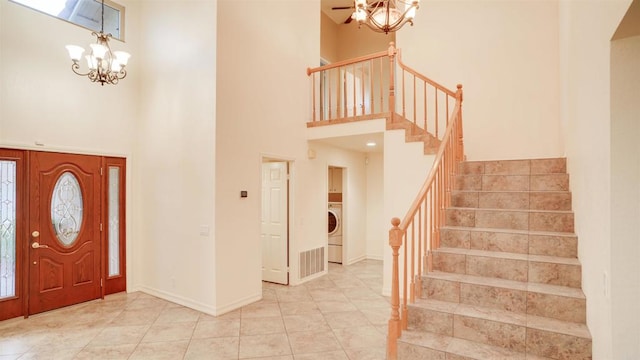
column 506, row 283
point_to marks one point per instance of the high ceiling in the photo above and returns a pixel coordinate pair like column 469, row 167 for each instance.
column 338, row 16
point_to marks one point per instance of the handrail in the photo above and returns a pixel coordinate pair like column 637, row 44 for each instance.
column 376, row 86
column 421, row 226
column 347, row 62
column 357, row 89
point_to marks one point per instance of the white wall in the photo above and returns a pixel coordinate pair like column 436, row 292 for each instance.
column 505, row 53
column 176, row 143
column 586, row 28
column 376, row 224
column 42, row 100
column 405, row 170
column 262, row 110
column 625, row 197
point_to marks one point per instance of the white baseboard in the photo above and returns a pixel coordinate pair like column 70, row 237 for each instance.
column 353, row 261
column 375, row 257
column 207, row 309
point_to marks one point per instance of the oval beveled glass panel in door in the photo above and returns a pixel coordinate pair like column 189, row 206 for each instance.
column 66, row 208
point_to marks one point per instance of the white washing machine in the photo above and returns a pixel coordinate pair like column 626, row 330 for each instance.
column 335, row 232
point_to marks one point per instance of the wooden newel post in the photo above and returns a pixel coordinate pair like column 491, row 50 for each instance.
column 395, row 330
column 392, row 87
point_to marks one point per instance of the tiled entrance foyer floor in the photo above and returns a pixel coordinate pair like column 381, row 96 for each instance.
column 339, row 316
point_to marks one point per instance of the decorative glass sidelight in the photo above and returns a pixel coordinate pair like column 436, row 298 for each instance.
column 66, row 208
column 7, row 229
column 114, row 221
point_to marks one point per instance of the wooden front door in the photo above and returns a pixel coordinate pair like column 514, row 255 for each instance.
column 64, row 230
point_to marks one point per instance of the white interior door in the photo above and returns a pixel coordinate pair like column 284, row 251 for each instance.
column 274, row 229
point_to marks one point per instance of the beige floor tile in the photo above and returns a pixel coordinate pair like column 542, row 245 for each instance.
column 341, row 320
column 262, row 326
column 167, row 350
column 52, row 354
column 335, row 306
column 260, row 309
column 264, row 345
column 110, row 352
column 177, row 314
column 10, row 357
column 359, row 337
column 137, row 317
column 117, row 335
column 289, row 320
column 305, row 322
column 169, row 332
column 216, row 328
column 376, row 353
column 213, row 349
column 306, row 342
column 330, row 355
column 296, row 308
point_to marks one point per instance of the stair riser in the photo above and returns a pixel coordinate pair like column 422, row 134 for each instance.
column 494, row 333
column 564, row 246
column 511, row 220
column 548, row 182
column 521, row 167
column 557, row 346
column 512, row 200
column 551, row 245
column 442, row 290
column 494, row 297
column 555, row 274
column 430, row 320
column 518, row 301
column 508, row 269
column 414, row 352
column 557, row 307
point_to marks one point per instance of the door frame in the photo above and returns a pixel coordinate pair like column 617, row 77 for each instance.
column 108, row 284
column 291, row 263
column 344, row 202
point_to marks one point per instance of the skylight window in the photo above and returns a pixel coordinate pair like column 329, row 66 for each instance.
column 85, row 13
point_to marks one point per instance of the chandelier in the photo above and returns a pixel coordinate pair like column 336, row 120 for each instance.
column 105, row 66
column 385, row 15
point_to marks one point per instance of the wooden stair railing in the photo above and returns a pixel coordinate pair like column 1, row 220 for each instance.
column 351, row 88
column 419, row 231
column 376, row 86
column 366, row 88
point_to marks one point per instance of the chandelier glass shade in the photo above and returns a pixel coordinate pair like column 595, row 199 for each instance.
column 385, row 16
column 105, row 66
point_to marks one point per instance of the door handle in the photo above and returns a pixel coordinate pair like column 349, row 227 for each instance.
column 37, row 245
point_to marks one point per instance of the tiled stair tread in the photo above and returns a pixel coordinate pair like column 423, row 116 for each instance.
column 478, row 280
column 558, row 326
column 460, row 347
column 509, row 231
column 546, row 192
column 511, row 256
column 435, row 305
column 511, row 210
column 508, row 317
column 558, row 290
column 509, row 284
column 478, row 312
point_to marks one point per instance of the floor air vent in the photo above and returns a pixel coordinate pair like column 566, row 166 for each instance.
column 311, row 262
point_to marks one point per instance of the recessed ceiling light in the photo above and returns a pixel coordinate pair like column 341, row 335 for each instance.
column 371, row 144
